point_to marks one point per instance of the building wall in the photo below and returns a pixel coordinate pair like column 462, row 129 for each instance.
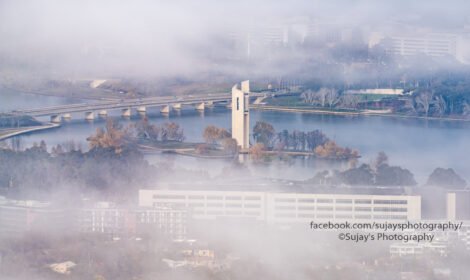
column 285, row 208
column 458, row 205
column 241, row 115
column 432, row 45
column 19, row 217
column 128, row 222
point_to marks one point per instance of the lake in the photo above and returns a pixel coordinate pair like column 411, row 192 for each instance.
column 416, row 144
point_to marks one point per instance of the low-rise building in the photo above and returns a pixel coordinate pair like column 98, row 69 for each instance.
column 107, row 218
column 18, row 217
column 415, row 249
column 285, row 208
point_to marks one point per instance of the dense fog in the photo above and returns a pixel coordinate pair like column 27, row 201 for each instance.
column 71, row 203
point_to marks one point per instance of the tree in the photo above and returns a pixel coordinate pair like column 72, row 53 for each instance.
column 381, row 158
column 363, row 175
column 321, row 96
column 230, row 145
column 264, row 132
column 393, row 176
column 315, row 97
column 446, row 178
column 466, row 109
column 425, row 99
column 315, row 138
column 202, row 149
column 257, row 151
column 213, row 134
column 171, row 131
column 146, row 130
column 349, row 101
column 440, row 105
column 331, row 150
column 43, row 146
column 308, row 97
column 57, row 150
column 113, row 136
column 332, row 97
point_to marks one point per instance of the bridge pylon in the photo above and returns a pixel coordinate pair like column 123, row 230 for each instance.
column 126, row 113
column 56, row 119
column 89, row 116
column 201, row 106
column 102, row 113
column 67, row 116
column 165, row 109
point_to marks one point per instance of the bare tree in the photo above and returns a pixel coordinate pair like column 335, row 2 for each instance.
column 440, row 105
column 321, row 96
column 349, row 101
column 425, row 100
column 308, row 97
column 410, row 105
column 332, row 97
column 466, row 109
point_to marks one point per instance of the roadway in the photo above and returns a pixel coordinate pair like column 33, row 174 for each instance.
column 129, row 103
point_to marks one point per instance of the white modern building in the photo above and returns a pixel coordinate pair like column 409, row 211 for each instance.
column 458, row 205
column 414, row 249
column 431, row 44
column 285, row 208
column 18, row 217
column 107, row 218
column 241, row 115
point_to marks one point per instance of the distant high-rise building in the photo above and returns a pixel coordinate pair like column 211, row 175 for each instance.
column 241, row 114
column 441, row 44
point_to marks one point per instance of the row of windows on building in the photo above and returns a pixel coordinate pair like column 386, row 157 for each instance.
column 271, row 206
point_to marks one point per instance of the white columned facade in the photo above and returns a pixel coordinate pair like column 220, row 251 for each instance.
column 241, row 115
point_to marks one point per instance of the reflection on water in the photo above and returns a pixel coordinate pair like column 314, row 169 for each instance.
column 418, row 145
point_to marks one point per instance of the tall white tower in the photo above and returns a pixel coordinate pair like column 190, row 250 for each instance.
column 241, row 115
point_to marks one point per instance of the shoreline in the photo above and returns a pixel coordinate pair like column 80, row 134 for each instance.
column 341, row 113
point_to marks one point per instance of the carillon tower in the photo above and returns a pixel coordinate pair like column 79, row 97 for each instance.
column 241, row 115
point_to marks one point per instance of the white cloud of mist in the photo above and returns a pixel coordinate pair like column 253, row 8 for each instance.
column 158, row 38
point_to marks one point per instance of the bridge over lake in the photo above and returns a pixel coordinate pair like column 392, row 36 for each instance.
column 165, row 103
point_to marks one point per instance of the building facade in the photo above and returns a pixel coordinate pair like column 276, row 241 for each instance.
column 458, row 205
column 285, row 208
column 18, row 217
column 430, row 44
column 108, row 219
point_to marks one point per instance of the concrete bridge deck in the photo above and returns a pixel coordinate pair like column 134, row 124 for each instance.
column 127, row 103
column 167, row 103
